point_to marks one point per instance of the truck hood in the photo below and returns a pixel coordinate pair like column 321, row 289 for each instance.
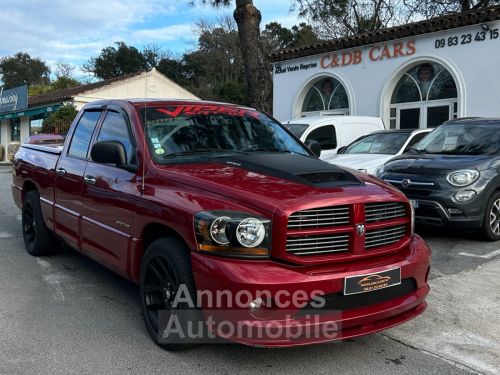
column 272, row 180
column 369, row 162
column 434, row 164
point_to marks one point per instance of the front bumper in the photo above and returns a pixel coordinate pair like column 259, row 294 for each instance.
column 213, row 274
column 436, row 203
column 436, row 213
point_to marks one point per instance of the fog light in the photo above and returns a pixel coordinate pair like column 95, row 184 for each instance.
column 256, row 305
column 465, row 196
column 455, row 211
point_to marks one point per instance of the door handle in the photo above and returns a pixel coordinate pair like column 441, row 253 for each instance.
column 61, row 171
column 89, row 180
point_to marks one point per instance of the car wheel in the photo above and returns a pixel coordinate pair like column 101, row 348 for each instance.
column 38, row 239
column 490, row 230
column 165, row 272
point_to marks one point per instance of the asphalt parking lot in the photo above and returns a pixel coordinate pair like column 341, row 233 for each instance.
column 65, row 314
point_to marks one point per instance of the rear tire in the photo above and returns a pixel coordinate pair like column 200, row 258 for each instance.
column 38, row 239
column 490, row 231
column 165, row 267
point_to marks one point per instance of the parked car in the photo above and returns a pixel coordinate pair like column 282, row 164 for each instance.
column 205, row 199
column 332, row 132
column 452, row 176
column 45, row 139
column 371, row 151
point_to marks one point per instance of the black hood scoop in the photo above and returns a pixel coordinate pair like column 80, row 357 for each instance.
column 294, row 167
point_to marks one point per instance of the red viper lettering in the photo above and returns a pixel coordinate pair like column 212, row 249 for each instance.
column 189, row 110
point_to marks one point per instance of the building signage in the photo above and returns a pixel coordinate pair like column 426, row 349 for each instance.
column 378, row 52
column 14, row 99
column 484, row 34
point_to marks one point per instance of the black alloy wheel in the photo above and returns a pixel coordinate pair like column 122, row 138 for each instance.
column 165, row 272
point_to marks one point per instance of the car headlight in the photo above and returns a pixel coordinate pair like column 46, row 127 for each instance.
column 232, row 233
column 462, row 177
column 379, row 171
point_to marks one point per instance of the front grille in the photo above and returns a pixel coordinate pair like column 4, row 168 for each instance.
column 315, row 245
column 310, row 231
column 320, row 218
column 384, row 236
column 415, row 192
column 384, row 211
column 340, row 302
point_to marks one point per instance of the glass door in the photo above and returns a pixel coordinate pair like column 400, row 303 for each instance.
column 409, row 118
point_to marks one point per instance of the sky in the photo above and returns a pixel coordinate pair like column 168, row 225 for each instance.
column 73, row 31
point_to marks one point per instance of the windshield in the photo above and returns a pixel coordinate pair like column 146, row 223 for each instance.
column 297, row 129
column 461, row 139
column 382, row 143
column 181, row 131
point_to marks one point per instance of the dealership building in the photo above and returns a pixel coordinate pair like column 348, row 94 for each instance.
column 22, row 116
column 416, row 75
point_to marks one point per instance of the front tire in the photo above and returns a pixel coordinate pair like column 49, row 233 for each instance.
column 38, row 239
column 166, row 270
column 490, row 230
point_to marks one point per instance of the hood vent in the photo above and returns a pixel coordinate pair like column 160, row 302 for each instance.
column 321, row 177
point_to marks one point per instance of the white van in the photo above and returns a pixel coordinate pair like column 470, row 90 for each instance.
column 332, row 132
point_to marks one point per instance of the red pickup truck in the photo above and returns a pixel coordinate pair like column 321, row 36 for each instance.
column 223, row 217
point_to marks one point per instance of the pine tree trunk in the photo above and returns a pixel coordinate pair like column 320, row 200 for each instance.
column 258, row 76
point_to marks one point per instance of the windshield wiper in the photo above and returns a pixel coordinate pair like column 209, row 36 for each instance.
column 268, row 149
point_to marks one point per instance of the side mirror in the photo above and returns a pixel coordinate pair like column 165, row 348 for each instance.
column 314, row 146
column 109, row 152
column 341, row 150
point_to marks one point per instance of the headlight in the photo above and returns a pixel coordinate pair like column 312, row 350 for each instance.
column 231, row 233
column 250, row 232
column 379, row 171
column 465, row 195
column 462, row 177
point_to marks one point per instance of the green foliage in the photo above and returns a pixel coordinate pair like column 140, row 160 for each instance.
column 60, row 83
column 116, row 61
column 63, row 116
column 276, row 37
column 21, row 69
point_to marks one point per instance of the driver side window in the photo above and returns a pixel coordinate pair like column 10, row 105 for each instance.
column 115, row 128
column 325, row 136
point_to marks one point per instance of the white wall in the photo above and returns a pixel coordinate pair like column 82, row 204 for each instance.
column 475, row 67
column 147, row 85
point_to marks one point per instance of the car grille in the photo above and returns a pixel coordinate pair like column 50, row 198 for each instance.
column 313, row 245
column 319, row 218
column 384, row 211
column 341, row 220
column 384, row 236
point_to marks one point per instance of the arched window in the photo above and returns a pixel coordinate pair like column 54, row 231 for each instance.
column 328, row 94
column 425, row 96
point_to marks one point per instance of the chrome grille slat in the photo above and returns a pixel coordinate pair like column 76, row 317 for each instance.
column 308, row 238
column 320, row 218
column 313, row 245
column 384, row 211
column 384, row 236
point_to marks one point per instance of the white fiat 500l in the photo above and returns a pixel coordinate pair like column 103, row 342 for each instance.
column 372, row 151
